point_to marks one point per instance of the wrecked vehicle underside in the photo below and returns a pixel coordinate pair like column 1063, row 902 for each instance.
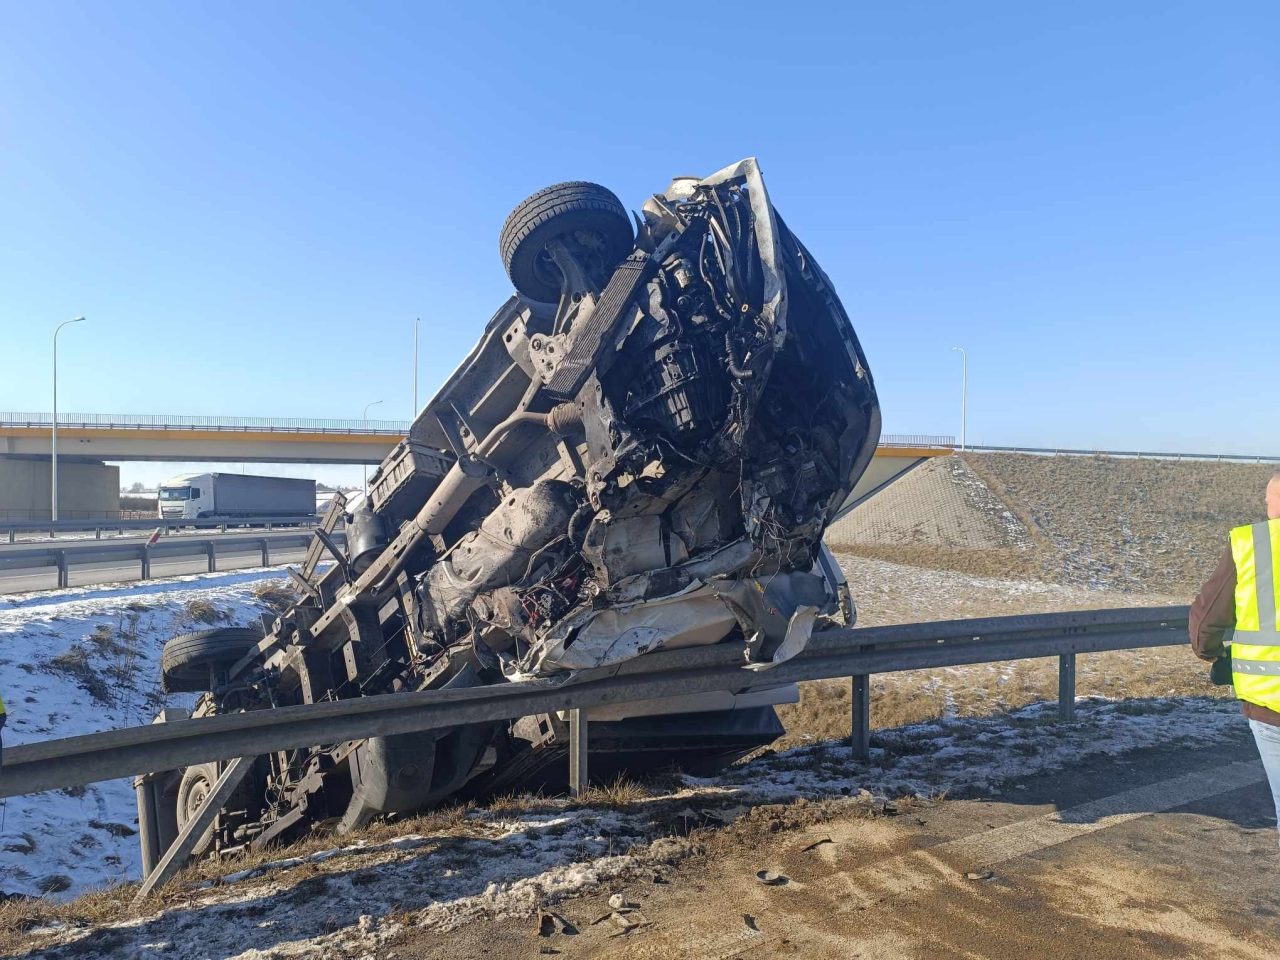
column 642, row 452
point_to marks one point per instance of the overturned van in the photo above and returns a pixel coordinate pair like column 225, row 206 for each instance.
column 641, row 453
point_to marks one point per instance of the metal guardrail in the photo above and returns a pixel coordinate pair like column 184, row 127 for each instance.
column 1137, row 454
column 14, row 527
column 14, row 515
column 63, row 558
column 916, row 440
column 148, row 421
column 856, row 653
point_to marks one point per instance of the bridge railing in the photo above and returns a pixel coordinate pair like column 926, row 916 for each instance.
column 150, row 421
column 916, row 440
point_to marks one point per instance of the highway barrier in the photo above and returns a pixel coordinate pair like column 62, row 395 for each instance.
column 74, row 553
column 98, row 524
column 857, row 653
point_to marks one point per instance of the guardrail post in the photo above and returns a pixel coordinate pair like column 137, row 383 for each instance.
column 860, row 701
column 212, row 554
column 64, row 576
column 577, row 752
column 145, row 556
column 148, row 829
column 266, row 552
column 13, row 535
column 97, row 533
column 1067, row 686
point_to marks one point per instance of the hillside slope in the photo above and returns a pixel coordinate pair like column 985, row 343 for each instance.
column 940, row 515
column 1127, row 524
column 79, row 661
column 1106, row 523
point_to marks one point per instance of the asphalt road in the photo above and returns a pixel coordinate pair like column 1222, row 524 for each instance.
column 124, row 569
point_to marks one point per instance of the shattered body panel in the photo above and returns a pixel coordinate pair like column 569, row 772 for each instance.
column 649, row 463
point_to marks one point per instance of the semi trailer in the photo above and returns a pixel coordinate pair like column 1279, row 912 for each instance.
column 234, row 496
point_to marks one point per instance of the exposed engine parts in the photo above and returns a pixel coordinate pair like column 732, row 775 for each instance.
column 642, row 452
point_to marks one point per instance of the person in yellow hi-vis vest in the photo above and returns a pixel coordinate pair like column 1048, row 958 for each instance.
column 1234, row 625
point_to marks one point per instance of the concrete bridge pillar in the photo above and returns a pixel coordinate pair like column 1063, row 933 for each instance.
column 87, row 488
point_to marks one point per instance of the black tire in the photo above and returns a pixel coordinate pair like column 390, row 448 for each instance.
column 196, row 784
column 187, row 658
column 588, row 211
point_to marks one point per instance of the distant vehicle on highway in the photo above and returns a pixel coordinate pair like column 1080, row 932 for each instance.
column 234, row 496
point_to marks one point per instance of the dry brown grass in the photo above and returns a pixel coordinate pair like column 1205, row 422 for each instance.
column 619, row 794
column 200, row 610
column 74, row 663
column 276, row 595
column 1141, row 525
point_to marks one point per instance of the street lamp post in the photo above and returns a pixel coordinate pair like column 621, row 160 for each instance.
column 416, row 321
column 53, row 434
column 366, row 427
column 964, row 393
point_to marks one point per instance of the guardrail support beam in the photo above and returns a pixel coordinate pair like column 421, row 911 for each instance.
column 186, row 841
column 578, row 746
column 1067, row 687
column 145, row 555
column 860, row 702
column 64, row 575
column 212, row 554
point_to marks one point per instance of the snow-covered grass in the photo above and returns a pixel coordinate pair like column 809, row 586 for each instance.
column 347, row 900
column 82, row 660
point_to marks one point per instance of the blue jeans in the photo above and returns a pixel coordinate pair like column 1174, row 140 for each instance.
column 1268, row 739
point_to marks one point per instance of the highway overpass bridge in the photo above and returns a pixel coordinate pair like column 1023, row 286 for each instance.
column 120, row 437
column 90, row 438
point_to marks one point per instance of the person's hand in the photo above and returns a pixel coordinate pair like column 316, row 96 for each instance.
column 1220, row 672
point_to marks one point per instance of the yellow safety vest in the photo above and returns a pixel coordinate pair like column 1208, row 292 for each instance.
column 1255, row 644
column 1, row 706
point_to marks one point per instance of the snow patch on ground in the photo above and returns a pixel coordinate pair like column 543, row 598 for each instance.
column 79, row 661
column 350, row 900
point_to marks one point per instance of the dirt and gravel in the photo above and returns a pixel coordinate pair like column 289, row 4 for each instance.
column 1154, row 855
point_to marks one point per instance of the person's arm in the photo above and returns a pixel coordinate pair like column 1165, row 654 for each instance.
column 1213, row 615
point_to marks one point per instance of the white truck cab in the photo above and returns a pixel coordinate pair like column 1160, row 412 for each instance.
column 186, row 497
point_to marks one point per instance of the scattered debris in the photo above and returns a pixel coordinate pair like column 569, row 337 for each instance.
column 816, row 843
column 979, row 875
column 627, row 921
column 771, row 879
column 551, row 923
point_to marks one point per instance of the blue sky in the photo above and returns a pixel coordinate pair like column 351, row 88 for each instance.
column 251, row 202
